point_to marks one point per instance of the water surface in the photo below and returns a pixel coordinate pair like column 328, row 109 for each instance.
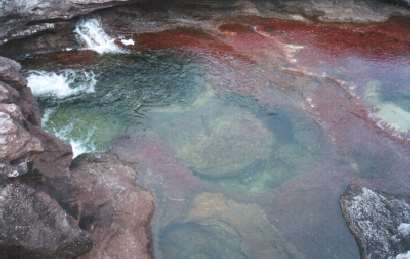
column 246, row 135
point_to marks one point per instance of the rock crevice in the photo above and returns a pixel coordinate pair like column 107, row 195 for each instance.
column 53, row 208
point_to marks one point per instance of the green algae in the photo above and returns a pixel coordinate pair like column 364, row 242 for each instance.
column 126, row 86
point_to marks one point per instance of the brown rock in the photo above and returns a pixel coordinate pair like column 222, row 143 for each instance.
column 7, row 93
column 33, row 225
column 16, row 142
column 10, row 73
column 112, row 207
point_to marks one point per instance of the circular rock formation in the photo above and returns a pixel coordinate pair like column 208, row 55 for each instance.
column 236, row 148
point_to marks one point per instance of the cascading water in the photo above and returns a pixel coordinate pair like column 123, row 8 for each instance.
column 62, row 84
column 79, row 146
column 91, row 32
column 246, row 135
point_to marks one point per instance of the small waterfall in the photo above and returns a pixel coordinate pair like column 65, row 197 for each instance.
column 81, row 145
column 61, row 85
column 91, row 32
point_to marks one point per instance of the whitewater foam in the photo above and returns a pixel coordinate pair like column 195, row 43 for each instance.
column 128, row 42
column 91, row 32
column 404, row 255
column 79, row 146
column 62, row 84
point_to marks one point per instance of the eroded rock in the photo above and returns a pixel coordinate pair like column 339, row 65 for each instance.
column 379, row 221
column 10, row 73
column 346, row 11
column 112, row 207
column 33, row 225
column 18, row 16
column 36, row 210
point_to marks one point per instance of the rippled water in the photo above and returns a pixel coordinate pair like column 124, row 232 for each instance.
column 246, row 148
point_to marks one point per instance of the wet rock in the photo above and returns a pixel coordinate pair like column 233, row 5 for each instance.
column 379, row 221
column 33, row 225
column 112, row 207
column 237, row 149
column 25, row 18
column 391, row 114
column 39, row 194
column 215, row 139
column 201, row 240
column 229, row 228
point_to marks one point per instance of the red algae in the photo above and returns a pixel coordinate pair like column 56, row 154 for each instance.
column 154, row 155
column 263, row 41
column 181, row 38
column 63, row 58
column 375, row 40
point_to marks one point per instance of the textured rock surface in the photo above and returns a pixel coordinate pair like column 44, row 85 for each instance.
column 39, row 193
column 10, row 73
column 33, row 225
column 23, row 18
column 379, row 221
column 112, row 207
column 18, row 145
column 348, row 10
column 260, row 239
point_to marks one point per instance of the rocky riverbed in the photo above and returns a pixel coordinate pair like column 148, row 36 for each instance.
column 257, row 129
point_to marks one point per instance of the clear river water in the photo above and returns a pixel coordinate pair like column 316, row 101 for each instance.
column 246, row 131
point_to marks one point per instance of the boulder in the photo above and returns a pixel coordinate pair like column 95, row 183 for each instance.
column 380, row 222
column 112, row 207
column 33, row 225
column 17, row 143
column 39, row 193
column 10, row 73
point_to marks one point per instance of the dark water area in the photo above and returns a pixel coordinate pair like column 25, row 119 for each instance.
column 246, row 131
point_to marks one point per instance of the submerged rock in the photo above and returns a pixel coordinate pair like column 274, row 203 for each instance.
column 223, row 145
column 394, row 115
column 217, row 227
column 379, row 221
column 33, row 225
column 201, row 240
column 236, row 148
column 112, row 207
